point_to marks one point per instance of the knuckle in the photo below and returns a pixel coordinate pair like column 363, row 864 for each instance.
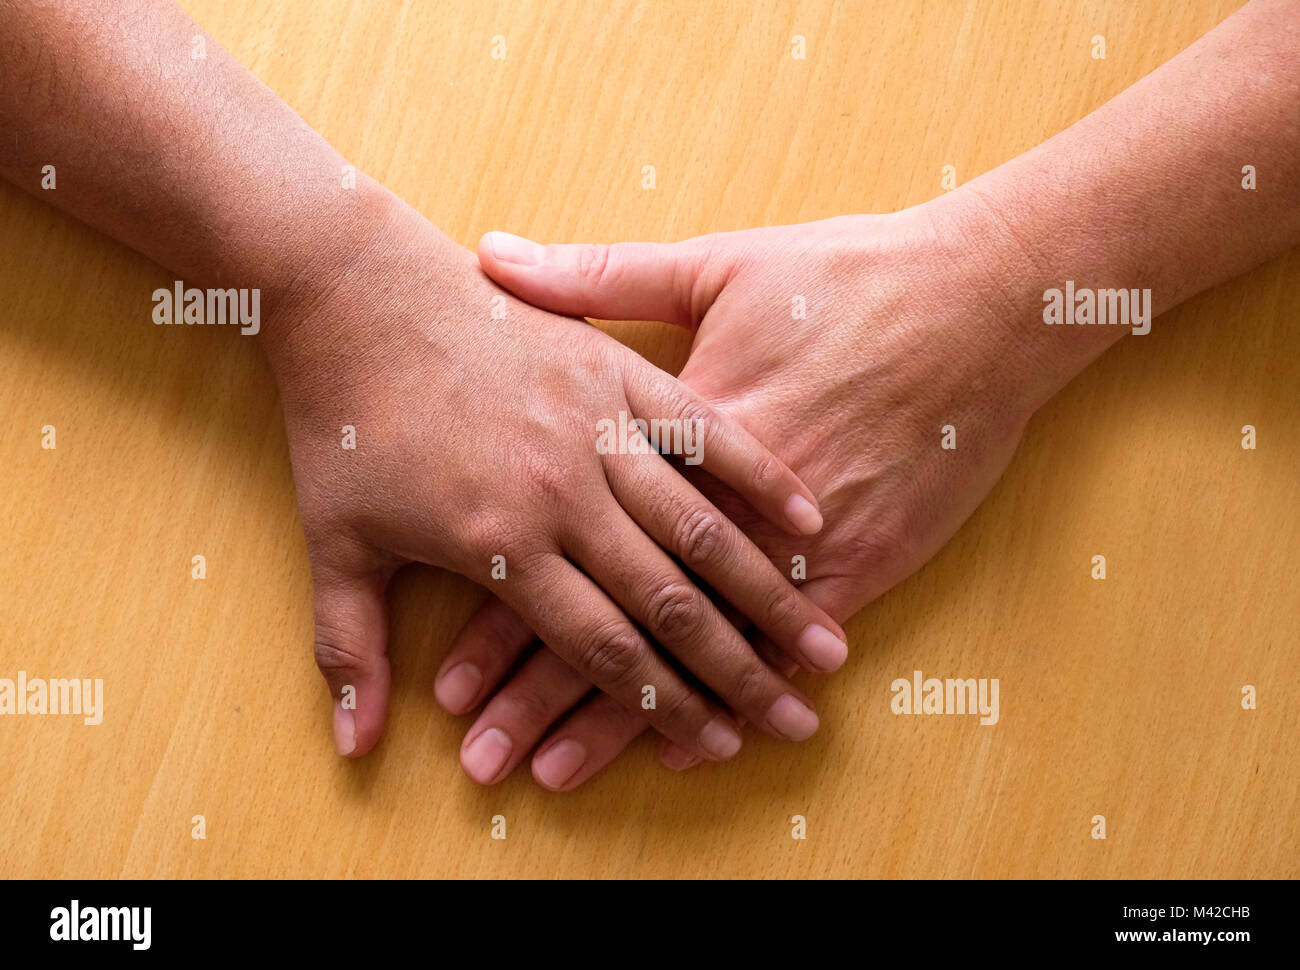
column 676, row 711
column 676, row 613
column 883, row 548
column 751, row 686
column 332, row 656
column 701, row 539
column 697, row 413
column 593, row 260
column 341, row 642
column 783, row 609
column 546, row 476
column 494, row 534
column 765, row 472
column 703, row 421
column 609, row 655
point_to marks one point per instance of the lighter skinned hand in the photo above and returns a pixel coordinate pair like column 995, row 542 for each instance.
column 475, row 438
column 848, row 346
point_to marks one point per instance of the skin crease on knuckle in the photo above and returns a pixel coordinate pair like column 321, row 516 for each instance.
column 753, row 687
column 763, row 473
column 609, row 655
column 675, row 613
column 783, row 610
column 672, row 713
column 702, row 540
column 593, row 261
column 703, row 417
column 332, row 657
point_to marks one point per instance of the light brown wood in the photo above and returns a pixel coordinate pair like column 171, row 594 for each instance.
column 1119, row 697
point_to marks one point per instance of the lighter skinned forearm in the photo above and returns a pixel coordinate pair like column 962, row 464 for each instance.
column 1147, row 191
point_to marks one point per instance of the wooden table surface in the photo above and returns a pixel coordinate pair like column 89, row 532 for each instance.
column 1119, row 697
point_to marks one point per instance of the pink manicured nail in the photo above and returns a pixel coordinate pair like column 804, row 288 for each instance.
column 514, row 249
column 719, row 739
column 558, row 763
column 345, row 730
column 792, row 719
column 822, row 649
column 458, row 687
column 803, row 515
column 487, row 755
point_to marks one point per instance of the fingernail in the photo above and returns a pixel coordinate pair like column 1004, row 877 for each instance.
column 792, row 719
column 514, row 249
column 803, row 515
column 485, row 757
column 822, row 649
column 678, row 759
column 719, row 739
column 345, row 730
column 558, row 763
column 458, row 687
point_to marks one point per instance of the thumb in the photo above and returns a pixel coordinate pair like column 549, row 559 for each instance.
column 351, row 637
column 672, row 282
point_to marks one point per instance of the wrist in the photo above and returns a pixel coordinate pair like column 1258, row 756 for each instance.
column 1021, row 283
column 333, row 244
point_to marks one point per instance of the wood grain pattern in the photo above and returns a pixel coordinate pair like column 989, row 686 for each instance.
column 1120, row 698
